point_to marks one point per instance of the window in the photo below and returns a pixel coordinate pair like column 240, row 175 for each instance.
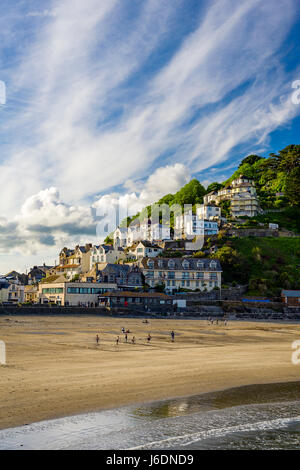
column 150, row 263
column 200, row 264
column 171, row 264
column 185, row 265
column 53, row 290
column 73, row 290
column 171, row 274
column 160, row 263
column 200, row 275
column 185, row 275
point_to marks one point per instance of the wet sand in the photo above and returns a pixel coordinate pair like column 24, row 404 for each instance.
column 54, row 367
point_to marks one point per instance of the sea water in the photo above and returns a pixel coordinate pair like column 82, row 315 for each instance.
column 253, row 417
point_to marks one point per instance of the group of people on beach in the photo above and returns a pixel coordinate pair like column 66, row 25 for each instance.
column 125, row 332
column 211, row 321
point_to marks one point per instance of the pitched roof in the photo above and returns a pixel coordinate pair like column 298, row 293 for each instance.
column 53, row 278
column 118, row 268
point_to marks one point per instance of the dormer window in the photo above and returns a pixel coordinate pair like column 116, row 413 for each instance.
column 185, row 264
column 160, row 263
column 213, row 264
column 200, row 264
column 171, row 264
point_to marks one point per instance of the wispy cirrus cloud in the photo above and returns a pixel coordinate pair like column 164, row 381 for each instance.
column 101, row 93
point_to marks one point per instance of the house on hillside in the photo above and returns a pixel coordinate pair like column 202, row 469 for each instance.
column 191, row 225
column 182, row 273
column 75, row 263
column 242, row 194
column 208, row 212
column 106, row 254
column 141, row 230
column 120, row 237
column 145, row 249
column 123, row 275
column 37, row 273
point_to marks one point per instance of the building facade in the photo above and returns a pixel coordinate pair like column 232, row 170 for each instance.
column 182, row 273
column 74, row 262
column 148, row 301
column 191, row 225
column 242, row 194
column 145, row 249
column 73, row 293
column 208, row 212
column 124, row 276
column 106, row 254
column 291, row 298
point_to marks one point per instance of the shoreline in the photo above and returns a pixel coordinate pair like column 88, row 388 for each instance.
column 55, row 370
column 212, row 394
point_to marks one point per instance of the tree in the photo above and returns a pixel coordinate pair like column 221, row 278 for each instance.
column 213, row 187
column 191, row 193
column 251, row 159
column 288, row 159
column 225, row 208
column 226, row 255
column 292, row 190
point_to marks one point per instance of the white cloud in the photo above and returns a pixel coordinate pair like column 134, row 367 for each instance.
column 45, row 223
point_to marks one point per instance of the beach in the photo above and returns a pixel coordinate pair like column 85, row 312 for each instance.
column 55, row 368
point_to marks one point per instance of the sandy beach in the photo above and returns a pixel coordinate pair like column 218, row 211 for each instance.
column 55, row 368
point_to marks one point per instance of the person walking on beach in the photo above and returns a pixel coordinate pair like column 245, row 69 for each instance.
column 133, row 340
column 117, row 340
column 172, row 336
column 149, row 338
column 97, row 339
column 126, row 337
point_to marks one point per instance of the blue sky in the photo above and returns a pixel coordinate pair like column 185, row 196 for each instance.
column 126, row 100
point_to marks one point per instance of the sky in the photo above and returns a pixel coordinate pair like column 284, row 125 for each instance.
column 119, row 102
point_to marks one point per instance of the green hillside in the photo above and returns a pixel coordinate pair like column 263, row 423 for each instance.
column 279, row 173
column 268, row 264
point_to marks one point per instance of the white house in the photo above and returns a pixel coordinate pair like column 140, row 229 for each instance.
column 208, row 212
column 145, row 230
column 242, row 194
column 106, row 254
column 193, row 226
column 120, row 237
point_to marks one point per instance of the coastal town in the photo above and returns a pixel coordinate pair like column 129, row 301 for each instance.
column 154, row 267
